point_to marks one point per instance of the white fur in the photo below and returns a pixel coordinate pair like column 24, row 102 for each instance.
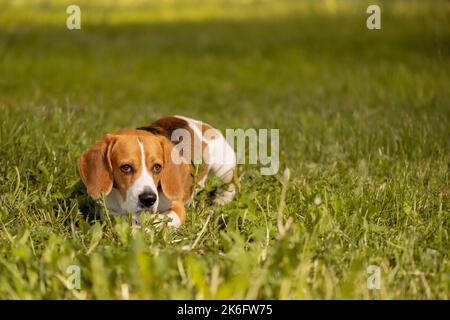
column 218, row 154
column 176, row 222
column 222, row 159
column 226, row 195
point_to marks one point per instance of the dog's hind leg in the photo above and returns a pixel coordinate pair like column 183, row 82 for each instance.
column 226, row 192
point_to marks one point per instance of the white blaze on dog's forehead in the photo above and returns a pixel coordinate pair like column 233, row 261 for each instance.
column 145, row 178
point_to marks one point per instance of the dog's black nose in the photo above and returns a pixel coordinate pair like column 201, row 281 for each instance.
column 147, row 199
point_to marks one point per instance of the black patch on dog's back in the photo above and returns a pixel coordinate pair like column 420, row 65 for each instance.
column 165, row 126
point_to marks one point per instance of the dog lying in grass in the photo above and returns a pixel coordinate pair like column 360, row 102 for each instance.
column 146, row 170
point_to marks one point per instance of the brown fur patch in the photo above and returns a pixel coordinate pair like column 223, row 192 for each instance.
column 178, row 208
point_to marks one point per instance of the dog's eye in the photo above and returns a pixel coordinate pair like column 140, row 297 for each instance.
column 126, row 168
column 156, row 168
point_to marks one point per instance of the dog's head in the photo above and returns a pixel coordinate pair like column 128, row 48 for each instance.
column 132, row 166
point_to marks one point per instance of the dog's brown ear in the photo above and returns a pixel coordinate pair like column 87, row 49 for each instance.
column 176, row 178
column 95, row 167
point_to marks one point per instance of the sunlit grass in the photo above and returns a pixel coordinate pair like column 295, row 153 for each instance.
column 16, row 13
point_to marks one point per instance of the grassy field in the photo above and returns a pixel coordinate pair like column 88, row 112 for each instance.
column 364, row 130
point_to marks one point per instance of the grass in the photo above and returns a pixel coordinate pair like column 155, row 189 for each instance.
column 364, row 130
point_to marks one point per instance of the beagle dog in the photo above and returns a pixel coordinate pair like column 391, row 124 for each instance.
column 151, row 168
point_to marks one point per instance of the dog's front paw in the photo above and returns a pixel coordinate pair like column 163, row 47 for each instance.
column 174, row 220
